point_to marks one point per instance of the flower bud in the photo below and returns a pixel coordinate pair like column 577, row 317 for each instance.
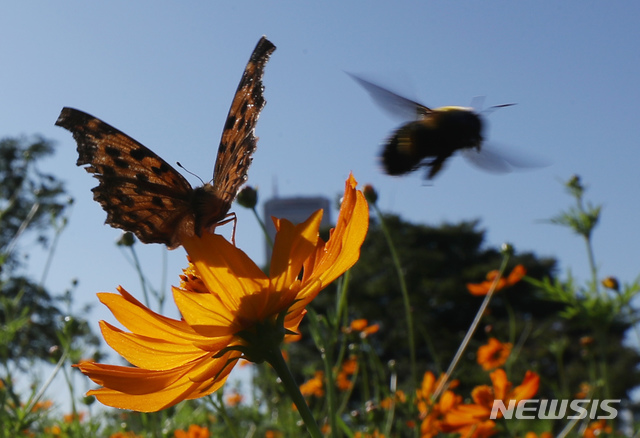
column 370, row 194
column 248, row 197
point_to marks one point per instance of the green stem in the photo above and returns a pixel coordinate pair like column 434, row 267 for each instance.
column 405, row 296
column 472, row 329
column 263, row 226
column 138, row 267
column 278, row 363
column 592, row 262
column 222, row 411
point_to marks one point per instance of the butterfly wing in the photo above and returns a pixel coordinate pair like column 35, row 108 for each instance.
column 238, row 141
column 139, row 191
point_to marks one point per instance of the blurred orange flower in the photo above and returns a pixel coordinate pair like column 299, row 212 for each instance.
column 362, row 326
column 194, row 431
column 124, row 435
column 596, row 429
column 493, row 354
column 432, row 412
column 69, row 418
column 348, row 368
column 398, row 397
column 483, row 288
column 234, row 399
column 314, row 386
column 375, row 434
column 473, row 420
column 542, row 435
column 229, row 307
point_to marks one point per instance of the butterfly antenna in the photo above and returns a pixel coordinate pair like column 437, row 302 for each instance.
column 189, row 172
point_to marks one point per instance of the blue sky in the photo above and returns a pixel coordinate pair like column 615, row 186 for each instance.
column 165, row 73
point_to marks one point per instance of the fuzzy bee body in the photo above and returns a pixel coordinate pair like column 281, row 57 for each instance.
column 432, row 139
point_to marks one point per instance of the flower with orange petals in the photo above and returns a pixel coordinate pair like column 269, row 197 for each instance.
column 194, row 431
column 432, row 412
column 473, row 420
column 362, row 326
column 596, row 429
column 125, row 435
column 230, row 309
column 314, row 386
column 42, row 405
column 398, row 397
column 234, row 399
column 375, row 434
column 493, row 354
column 348, row 368
column 542, row 435
column 70, row 418
column 483, row 288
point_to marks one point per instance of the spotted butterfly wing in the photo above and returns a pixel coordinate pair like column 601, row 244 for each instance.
column 143, row 194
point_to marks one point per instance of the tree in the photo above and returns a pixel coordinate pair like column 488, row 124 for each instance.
column 437, row 264
column 31, row 201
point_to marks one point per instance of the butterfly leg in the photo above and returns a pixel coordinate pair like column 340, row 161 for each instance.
column 231, row 217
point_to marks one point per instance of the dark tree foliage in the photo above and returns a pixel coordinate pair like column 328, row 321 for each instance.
column 28, row 197
column 30, row 202
column 438, row 262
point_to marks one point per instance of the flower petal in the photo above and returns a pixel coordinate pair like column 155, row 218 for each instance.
column 293, row 245
column 149, row 391
column 151, row 353
column 343, row 248
column 141, row 320
column 225, row 269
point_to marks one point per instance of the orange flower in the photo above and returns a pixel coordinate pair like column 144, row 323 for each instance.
column 42, row 405
column 596, row 429
column 542, row 435
column 432, row 412
column 362, row 326
column 194, row 431
column 494, row 354
column 314, row 386
column 348, row 368
column 375, row 434
column 124, row 435
column 398, row 397
column 70, row 418
column 234, row 399
column 611, row 283
column 483, row 288
column 472, row 420
column 585, row 390
column 230, row 309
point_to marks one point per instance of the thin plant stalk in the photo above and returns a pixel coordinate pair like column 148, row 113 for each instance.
column 405, row 294
column 327, row 361
column 143, row 282
column 222, row 411
column 472, row 329
column 263, row 226
column 48, row 382
column 278, row 363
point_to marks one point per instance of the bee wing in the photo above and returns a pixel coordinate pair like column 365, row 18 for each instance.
column 477, row 103
column 495, row 159
column 394, row 104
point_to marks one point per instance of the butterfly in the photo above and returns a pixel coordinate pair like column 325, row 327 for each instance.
column 143, row 194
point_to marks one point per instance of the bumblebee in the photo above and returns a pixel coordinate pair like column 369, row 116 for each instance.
column 434, row 137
